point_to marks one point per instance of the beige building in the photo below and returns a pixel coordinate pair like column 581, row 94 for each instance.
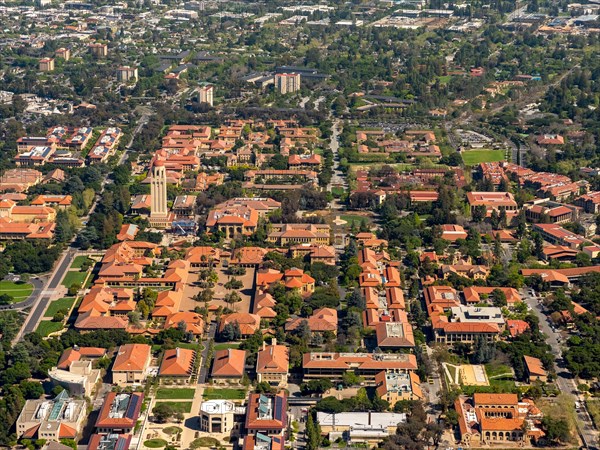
column 131, row 364
column 206, row 95
column 126, row 74
column 286, row 83
column 272, row 365
column 396, row 386
column 60, row 418
column 299, row 233
column 98, row 50
column 367, row 427
column 63, row 53
column 79, row 379
column 46, row 65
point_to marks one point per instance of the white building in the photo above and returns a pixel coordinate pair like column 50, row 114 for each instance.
column 206, row 95
column 218, row 416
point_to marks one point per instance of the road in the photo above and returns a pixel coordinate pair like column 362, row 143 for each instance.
column 45, row 295
column 212, row 328
column 38, row 286
column 337, row 178
column 39, row 301
column 564, row 379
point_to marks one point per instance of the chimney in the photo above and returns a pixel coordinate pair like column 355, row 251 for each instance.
column 177, row 353
column 264, row 345
column 274, row 341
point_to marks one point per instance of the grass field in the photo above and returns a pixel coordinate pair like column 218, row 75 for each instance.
column 155, row 443
column 226, row 394
column 175, row 394
column 593, row 407
column 73, row 276
column 57, row 305
column 183, row 407
column 205, row 441
column 356, row 218
column 225, row 346
column 172, row 430
column 498, row 370
column 46, row 327
column 18, row 291
column 473, row 157
column 562, row 407
column 79, row 260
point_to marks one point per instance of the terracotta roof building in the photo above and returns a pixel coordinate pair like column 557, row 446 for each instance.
column 321, row 320
column 131, row 364
column 119, row 412
column 248, row 323
column 394, row 387
column 367, row 365
column 178, row 364
column 266, row 414
column 272, row 364
column 228, row 365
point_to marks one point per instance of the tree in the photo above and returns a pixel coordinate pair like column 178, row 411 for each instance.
column 31, row 390
column 478, row 213
column 356, row 300
column 264, row 388
column 231, row 332
column 557, row 430
column 233, row 283
column 498, row 298
column 232, row 297
column 162, row 412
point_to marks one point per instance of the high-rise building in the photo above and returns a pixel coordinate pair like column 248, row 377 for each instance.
column 46, row 65
column 63, row 53
column 206, row 95
column 126, row 73
column 98, row 50
column 159, row 214
column 287, row 82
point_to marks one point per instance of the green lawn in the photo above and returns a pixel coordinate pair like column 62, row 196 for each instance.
column 46, row 327
column 74, row 276
column 155, row 443
column 226, row 394
column 356, row 218
column 183, row 407
column 172, row 430
column 205, row 441
column 19, row 291
column 225, row 346
column 495, row 370
column 473, row 157
column 79, row 260
column 57, row 305
column 175, row 394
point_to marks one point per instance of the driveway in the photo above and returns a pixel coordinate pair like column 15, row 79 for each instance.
column 564, row 379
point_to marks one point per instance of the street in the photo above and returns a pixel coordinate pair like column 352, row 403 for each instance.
column 41, row 303
column 564, row 379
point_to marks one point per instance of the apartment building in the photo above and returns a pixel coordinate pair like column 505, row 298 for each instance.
column 46, row 64
column 286, row 83
column 206, row 95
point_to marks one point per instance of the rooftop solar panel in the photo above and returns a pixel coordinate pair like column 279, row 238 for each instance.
column 133, row 403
